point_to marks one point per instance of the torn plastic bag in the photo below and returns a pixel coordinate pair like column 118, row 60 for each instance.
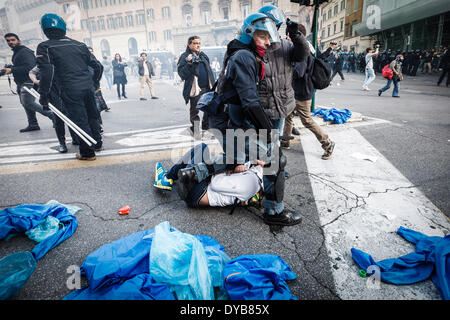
column 21, row 219
column 430, row 259
column 179, row 260
column 334, row 115
column 258, row 277
column 47, row 228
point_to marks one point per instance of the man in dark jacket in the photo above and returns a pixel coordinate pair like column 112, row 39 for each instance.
column 194, row 68
column 68, row 60
column 145, row 70
column 304, row 90
column 23, row 61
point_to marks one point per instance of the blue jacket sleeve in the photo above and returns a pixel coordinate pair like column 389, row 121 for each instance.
column 243, row 73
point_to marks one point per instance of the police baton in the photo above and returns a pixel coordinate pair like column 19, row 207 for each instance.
column 80, row 132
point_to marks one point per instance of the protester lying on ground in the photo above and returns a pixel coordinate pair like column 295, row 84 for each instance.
column 224, row 189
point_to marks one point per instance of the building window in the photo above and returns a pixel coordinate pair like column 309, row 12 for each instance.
column 329, row 31
column 246, row 8
column 355, row 5
column 132, row 47
column 101, row 24
column 167, row 35
column 187, row 14
column 342, row 5
column 119, row 21
column 152, row 36
column 84, row 24
column 104, row 46
column 324, row 17
column 129, row 21
column 336, row 9
column 150, row 14
column 92, row 25
column 342, row 25
column 111, row 23
column 166, row 12
column 329, row 14
column 140, row 19
column 334, row 28
column 205, row 9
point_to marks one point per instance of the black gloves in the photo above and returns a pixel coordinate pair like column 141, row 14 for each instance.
column 291, row 28
column 43, row 100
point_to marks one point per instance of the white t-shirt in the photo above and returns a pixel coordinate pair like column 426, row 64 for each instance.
column 369, row 61
column 225, row 188
column 146, row 72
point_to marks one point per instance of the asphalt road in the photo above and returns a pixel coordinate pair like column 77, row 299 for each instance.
column 410, row 137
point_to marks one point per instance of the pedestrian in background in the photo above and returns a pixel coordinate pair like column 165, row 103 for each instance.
column 146, row 72
column 396, row 67
column 108, row 71
column 370, row 73
column 194, row 68
column 120, row 78
column 215, row 66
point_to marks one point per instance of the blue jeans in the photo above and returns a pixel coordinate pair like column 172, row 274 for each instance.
column 370, row 76
column 388, row 85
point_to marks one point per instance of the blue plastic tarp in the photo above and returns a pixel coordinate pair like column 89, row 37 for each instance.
column 430, row 259
column 258, row 277
column 109, row 268
column 334, row 115
column 48, row 224
column 23, row 218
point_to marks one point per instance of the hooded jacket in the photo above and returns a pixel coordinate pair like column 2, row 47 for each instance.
column 187, row 71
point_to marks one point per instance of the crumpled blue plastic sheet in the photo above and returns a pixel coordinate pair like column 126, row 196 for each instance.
column 334, row 115
column 32, row 219
column 184, row 275
column 430, row 259
column 258, row 277
column 166, row 264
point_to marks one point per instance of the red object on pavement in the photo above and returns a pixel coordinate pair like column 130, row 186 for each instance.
column 124, row 210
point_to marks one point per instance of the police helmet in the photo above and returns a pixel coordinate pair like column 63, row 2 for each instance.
column 52, row 21
column 275, row 13
column 254, row 22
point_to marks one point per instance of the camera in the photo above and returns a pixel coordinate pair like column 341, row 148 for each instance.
column 3, row 71
column 195, row 59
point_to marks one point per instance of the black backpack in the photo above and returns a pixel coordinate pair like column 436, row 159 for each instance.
column 321, row 74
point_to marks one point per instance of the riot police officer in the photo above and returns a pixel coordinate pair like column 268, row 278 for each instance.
column 67, row 61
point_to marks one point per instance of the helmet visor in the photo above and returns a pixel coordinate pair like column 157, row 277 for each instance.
column 269, row 26
column 277, row 15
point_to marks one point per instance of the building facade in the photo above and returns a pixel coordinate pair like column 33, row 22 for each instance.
column 407, row 24
column 353, row 16
column 331, row 23
column 129, row 27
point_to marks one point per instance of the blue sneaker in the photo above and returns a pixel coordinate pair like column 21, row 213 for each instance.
column 161, row 181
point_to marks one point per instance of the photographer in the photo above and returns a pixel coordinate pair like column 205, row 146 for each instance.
column 23, row 61
column 194, row 68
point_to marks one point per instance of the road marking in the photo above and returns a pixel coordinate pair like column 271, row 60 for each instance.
column 361, row 204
